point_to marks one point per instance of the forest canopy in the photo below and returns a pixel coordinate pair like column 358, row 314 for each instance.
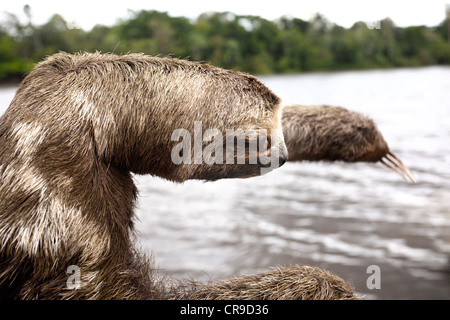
column 246, row 43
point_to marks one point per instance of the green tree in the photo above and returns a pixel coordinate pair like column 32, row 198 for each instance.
column 248, row 43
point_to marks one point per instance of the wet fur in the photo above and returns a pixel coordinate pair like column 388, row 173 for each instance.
column 77, row 128
column 328, row 133
column 331, row 133
column 286, row 283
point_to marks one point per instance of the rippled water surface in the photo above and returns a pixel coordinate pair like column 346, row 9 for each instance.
column 343, row 217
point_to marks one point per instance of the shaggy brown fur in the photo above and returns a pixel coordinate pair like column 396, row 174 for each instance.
column 76, row 129
column 314, row 133
column 287, row 283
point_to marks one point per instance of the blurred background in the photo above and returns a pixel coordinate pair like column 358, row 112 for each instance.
column 390, row 61
column 301, row 38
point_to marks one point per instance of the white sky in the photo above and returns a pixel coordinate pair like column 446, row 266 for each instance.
column 86, row 14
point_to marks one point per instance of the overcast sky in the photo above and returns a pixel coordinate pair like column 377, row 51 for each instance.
column 86, row 14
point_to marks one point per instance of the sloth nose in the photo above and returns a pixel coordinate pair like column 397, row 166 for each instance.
column 282, row 160
column 283, row 155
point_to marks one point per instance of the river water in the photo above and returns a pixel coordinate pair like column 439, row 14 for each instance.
column 342, row 217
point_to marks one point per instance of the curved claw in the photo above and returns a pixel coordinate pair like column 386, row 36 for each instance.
column 397, row 165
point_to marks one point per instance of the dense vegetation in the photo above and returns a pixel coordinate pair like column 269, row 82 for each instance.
column 247, row 43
